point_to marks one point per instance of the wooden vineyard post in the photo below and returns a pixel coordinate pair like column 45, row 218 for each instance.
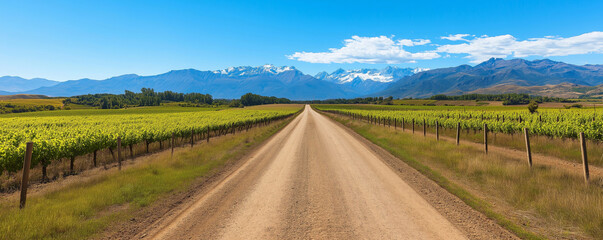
column 25, row 179
column 424, row 128
column 584, row 157
column 172, row 144
column 208, row 134
column 94, row 158
column 71, row 165
column 192, row 138
column 437, row 131
column 395, row 123
column 413, row 126
column 119, row 153
column 458, row 133
column 402, row 124
column 486, row 138
column 528, row 150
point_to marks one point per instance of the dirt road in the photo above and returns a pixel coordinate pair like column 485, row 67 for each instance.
column 316, row 180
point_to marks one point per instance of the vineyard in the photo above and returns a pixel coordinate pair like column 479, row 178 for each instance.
column 73, row 133
column 563, row 123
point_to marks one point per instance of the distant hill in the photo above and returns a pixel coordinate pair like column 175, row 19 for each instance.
column 17, row 84
column 23, row 96
column 494, row 72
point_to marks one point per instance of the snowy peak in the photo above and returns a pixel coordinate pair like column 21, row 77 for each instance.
column 386, row 75
column 251, row 71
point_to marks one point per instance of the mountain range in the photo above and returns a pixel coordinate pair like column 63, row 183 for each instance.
column 492, row 76
column 267, row 80
column 495, row 72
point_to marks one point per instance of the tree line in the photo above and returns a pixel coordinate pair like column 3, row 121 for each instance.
column 17, row 108
column 146, row 97
column 251, row 99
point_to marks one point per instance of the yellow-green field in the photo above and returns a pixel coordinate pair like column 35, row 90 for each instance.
column 57, row 102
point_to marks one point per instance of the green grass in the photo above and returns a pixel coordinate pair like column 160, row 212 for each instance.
column 80, row 210
column 557, row 200
column 566, row 149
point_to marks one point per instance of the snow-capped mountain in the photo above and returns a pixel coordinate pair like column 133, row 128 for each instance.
column 250, row 71
column 367, row 81
column 386, row 75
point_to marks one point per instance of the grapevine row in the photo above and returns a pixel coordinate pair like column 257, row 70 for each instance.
column 566, row 123
column 57, row 137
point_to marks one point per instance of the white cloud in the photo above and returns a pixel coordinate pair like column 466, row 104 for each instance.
column 416, row 42
column 456, row 37
column 384, row 49
column 481, row 48
column 380, row 49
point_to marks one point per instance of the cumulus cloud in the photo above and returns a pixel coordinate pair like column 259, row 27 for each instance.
column 380, row 49
column 456, row 37
column 481, row 48
column 384, row 49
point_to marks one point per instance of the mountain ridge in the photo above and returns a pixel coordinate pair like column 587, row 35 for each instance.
column 19, row 84
column 495, row 71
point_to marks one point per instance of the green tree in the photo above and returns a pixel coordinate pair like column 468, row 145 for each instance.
column 533, row 106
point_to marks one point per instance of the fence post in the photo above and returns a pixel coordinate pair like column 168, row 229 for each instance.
column 119, row 153
column 486, row 138
column 94, row 158
column 413, row 126
column 424, row 128
column 437, row 131
column 584, row 157
column 172, row 144
column 207, row 133
column 25, row 179
column 402, row 124
column 192, row 137
column 528, row 150
column 395, row 124
column 458, row 133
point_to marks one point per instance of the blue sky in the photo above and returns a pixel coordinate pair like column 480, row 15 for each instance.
column 63, row 40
